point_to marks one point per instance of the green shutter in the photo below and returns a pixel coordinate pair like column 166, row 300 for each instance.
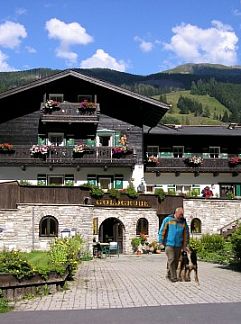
column 70, row 142
column 41, row 140
column 238, row 190
column 118, row 183
column 116, row 139
column 90, row 142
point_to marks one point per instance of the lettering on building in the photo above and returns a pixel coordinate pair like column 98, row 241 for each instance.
column 122, row 203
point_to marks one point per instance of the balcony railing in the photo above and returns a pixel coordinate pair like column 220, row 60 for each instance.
column 70, row 112
column 210, row 163
column 62, row 155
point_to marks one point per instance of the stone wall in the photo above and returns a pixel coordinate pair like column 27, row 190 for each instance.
column 19, row 228
column 213, row 213
column 129, row 218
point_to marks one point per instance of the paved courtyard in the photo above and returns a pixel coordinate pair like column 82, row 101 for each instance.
column 136, row 281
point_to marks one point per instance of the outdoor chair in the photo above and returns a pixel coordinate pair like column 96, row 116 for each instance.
column 113, row 248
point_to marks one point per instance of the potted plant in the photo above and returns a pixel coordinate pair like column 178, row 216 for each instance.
column 135, row 243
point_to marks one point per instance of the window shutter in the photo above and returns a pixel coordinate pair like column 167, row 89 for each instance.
column 70, row 142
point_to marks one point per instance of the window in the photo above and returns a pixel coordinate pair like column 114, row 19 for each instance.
column 196, row 189
column 171, row 189
column 81, row 98
column 48, row 226
column 178, row 151
column 149, row 188
column 41, row 180
column 142, row 226
column 196, row 226
column 152, row 150
column 91, row 180
column 214, row 152
column 55, row 180
column 56, row 139
column 104, row 183
column 59, row 97
column 69, row 180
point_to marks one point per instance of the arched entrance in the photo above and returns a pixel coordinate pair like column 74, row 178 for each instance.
column 112, row 230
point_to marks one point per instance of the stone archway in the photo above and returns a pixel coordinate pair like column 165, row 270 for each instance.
column 112, row 230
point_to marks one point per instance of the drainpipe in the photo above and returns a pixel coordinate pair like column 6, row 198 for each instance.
column 33, row 221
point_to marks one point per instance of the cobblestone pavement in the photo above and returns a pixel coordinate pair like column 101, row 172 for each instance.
column 135, row 281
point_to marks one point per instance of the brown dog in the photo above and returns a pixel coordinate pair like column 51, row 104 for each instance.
column 186, row 265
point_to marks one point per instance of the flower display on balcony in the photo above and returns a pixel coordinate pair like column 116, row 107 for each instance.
column 87, row 104
column 119, row 151
column 234, row 160
column 51, row 104
column 80, row 148
column 153, row 159
column 6, row 148
column 39, row 150
column 194, row 161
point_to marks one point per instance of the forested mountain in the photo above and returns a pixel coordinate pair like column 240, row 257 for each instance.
column 215, row 81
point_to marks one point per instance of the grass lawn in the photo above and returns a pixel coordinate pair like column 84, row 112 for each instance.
column 38, row 259
column 214, row 106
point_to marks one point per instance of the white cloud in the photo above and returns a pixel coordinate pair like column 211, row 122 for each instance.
column 101, row 59
column 11, row 34
column 21, row 11
column 68, row 34
column 30, row 49
column 4, row 67
column 144, row 45
column 217, row 44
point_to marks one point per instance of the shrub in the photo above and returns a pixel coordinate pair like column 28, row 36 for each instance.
column 135, row 242
column 236, row 244
column 131, row 191
column 212, row 242
column 160, row 193
column 114, row 193
column 14, row 263
column 65, row 253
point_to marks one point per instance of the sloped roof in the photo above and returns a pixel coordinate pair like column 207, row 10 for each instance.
column 217, row 130
column 148, row 110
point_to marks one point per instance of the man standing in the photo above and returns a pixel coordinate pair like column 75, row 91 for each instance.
column 174, row 235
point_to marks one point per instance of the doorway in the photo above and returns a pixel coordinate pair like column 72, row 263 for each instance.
column 112, row 230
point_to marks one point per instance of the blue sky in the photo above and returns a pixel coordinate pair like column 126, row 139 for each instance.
column 134, row 36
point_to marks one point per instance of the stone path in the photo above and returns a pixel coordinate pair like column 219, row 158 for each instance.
column 136, row 281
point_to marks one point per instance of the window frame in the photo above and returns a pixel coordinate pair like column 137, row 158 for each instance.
column 48, row 219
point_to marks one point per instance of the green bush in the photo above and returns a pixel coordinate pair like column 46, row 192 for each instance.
column 13, row 262
column 131, row 191
column 236, row 244
column 96, row 192
column 160, row 193
column 65, row 253
column 114, row 193
column 212, row 242
column 135, row 242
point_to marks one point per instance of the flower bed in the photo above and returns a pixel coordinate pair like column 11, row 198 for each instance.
column 13, row 288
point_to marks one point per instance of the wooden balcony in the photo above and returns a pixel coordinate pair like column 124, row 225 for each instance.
column 208, row 165
column 67, row 112
column 64, row 156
